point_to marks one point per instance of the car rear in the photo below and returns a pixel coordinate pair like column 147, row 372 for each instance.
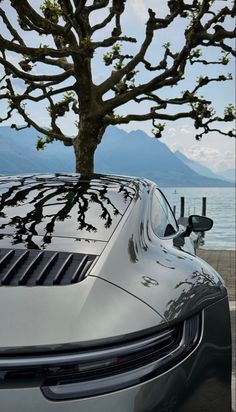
column 139, row 375
column 72, row 339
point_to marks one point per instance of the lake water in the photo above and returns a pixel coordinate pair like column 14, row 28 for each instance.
column 220, row 208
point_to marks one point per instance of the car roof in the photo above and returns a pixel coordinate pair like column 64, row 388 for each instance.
column 109, row 179
column 64, row 205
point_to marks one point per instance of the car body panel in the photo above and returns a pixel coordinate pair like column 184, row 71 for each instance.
column 57, row 243
column 68, row 317
column 199, row 383
column 43, row 318
column 172, row 281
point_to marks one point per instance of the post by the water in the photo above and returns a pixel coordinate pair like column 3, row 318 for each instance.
column 182, row 207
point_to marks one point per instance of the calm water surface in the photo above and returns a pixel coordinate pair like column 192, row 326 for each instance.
column 220, row 208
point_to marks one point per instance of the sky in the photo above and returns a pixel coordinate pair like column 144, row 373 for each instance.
column 214, row 150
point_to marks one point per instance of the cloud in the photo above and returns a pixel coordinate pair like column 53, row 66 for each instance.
column 175, row 146
column 140, row 9
column 211, row 157
column 185, row 129
column 213, row 151
column 207, row 156
column 171, row 131
column 224, row 164
column 230, row 155
column 202, row 152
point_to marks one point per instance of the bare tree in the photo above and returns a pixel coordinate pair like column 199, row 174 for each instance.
column 62, row 74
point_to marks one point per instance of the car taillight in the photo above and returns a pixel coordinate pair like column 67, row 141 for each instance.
column 98, row 371
column 127, row 365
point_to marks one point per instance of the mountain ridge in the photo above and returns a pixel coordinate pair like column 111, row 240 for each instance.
column 133, row 153
column 204, row 170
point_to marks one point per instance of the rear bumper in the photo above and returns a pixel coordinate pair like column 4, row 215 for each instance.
column 201, row 382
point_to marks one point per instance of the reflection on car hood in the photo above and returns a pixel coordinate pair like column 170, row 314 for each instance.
column 64, row 206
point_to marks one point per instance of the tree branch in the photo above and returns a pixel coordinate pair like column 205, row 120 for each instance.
column 39, row 52
column 56, row 78
column 98, row 5
column 45, row 95
column 105, row 22
column 23, row 8
column 11, row 29
column 148, row 116
column 112, row 40
column 68, row 141
column 117, row 75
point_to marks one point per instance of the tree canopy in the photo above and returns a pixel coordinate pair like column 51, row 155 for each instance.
column 59, row 70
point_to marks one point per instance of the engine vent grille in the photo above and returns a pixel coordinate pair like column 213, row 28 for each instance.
column 42, row 268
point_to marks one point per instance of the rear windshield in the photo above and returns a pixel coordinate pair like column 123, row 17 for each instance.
column 78, row 209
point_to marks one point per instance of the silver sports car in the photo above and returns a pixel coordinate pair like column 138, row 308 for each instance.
column 104, row 306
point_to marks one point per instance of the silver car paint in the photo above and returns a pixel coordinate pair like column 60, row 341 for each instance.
column 201, row 382
column 70, row 316
column 172, row 281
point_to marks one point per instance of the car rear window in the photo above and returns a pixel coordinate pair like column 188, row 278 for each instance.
column 79, row 209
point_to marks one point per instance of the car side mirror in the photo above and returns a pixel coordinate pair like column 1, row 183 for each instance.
column 198, row 223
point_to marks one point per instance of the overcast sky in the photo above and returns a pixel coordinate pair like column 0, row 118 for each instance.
column 215, row 151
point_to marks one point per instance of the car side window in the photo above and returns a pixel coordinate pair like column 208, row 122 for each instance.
column 162, row 219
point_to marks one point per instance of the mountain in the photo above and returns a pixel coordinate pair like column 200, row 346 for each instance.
column 137, row 154
column 120, row 152
column 18, row 153
column 229, row 174
column 197, row 167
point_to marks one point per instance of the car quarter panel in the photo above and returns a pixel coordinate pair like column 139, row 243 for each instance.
column 173, row 282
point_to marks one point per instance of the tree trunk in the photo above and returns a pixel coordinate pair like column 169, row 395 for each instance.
column 84, row 157
column 85, row 145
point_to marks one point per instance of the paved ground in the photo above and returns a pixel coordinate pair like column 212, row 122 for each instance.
column 224, row 262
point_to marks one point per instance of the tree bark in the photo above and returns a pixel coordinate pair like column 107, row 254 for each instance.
column 85, row 145
column 84, row 157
